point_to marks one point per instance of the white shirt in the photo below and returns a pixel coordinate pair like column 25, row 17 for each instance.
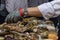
column 50, row 9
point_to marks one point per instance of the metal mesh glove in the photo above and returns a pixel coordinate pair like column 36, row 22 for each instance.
column 13, row 17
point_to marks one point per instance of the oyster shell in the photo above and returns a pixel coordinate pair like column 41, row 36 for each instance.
column 28, row 29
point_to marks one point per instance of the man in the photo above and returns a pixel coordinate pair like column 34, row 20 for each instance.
column 47, row 10
column 11, row 5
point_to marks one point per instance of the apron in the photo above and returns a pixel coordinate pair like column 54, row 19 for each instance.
column 3, row 11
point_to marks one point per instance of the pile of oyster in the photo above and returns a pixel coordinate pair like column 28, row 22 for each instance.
column 28, row 29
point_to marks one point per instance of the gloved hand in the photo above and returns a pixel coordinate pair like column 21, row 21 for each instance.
column 13, row 17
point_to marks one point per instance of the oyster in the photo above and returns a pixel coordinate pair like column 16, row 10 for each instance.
column 28, row 29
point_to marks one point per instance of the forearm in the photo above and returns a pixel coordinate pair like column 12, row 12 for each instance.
column 47, row 10
column 34, row 11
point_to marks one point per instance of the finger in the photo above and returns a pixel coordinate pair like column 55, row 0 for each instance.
column 6, row 20
column 15, row 19
column 20, row 18
column 11, row 18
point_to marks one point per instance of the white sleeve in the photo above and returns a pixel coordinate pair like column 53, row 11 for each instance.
column 50, row 9
column 10, row 5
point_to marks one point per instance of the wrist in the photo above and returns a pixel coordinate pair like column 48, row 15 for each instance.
column 23, row 12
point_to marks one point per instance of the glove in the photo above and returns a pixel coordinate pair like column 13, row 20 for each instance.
column 13, row 17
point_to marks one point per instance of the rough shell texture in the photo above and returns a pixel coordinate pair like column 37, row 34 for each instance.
column 28, row 29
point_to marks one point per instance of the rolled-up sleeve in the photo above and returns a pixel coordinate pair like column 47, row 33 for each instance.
column 50, row 9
